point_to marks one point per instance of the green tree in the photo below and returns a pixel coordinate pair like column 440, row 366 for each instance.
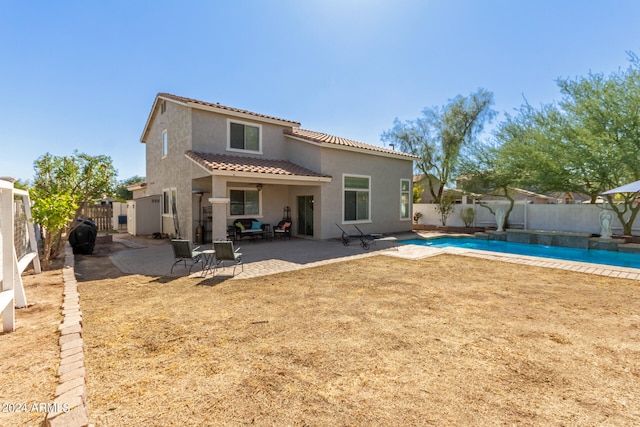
column 529, row 148
column 60, row 187
column 446, row 205
column 417, row 192
column 588, row 142
column 121, row 193
column 606, row 111
column 22, row 185
column 438, row 136
column 484, row 172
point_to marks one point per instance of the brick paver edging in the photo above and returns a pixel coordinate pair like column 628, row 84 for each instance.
column 71, row 398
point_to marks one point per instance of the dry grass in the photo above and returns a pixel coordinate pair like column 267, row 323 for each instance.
column 29, row 357
column 379, row 341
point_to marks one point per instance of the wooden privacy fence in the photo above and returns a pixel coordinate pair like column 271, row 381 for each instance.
column 101, row 215
column 18, row 248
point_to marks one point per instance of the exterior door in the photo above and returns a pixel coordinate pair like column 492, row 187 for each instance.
column 305, row 215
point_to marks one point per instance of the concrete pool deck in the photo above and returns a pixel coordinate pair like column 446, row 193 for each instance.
column 582, row 267
column 264, row 258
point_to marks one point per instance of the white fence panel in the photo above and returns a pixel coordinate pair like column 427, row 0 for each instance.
column 577, row 218
column 574, row 218
column 7, row 292
column 15, row 259
column 482, row 216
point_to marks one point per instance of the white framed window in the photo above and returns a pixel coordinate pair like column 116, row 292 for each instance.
column 244, row 136
column 356, row 200
column 245, row 202
column 169, row 201
column 405, row 199
column 165, row 144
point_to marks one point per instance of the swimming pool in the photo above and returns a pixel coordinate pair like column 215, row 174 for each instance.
column 619, row 259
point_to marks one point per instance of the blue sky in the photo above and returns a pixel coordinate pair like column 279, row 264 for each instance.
column 82, row 75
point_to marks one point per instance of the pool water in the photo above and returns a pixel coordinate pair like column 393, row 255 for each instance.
column 619, row 259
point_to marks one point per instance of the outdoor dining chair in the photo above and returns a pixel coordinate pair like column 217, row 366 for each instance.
column 183, row 252
column 225, row 252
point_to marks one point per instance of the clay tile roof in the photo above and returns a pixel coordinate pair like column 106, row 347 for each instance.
column 222, row 107
column 323, row 138
column 223, row 162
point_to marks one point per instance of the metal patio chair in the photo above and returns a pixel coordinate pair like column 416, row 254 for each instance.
column 183, row 252
column 225, row 252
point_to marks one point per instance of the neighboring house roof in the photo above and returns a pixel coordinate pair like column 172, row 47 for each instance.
column 530, row 193
column 420, row 177
column 136, row 186
column 516, row 192
column 223, row 164
column 323, row 138
column 575, row 197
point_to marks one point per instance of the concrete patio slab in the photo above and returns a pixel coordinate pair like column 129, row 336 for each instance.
column 260, row 257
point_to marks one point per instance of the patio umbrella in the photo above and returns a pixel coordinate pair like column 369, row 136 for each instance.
column 634, row 187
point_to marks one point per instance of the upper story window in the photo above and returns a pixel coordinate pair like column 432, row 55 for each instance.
column 244, row 137
column 165, row 144
column 163, row 107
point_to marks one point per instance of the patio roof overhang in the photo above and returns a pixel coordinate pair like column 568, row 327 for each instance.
column 255, row 168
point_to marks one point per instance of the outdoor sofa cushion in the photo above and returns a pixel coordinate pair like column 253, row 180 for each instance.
column 244, row 227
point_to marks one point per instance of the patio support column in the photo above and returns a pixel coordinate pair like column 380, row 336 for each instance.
column 219, row 202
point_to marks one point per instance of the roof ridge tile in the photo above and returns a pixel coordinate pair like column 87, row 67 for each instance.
column 186, row 100
column 322, row 138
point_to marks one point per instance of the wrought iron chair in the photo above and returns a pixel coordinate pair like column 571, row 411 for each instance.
column 283, row 230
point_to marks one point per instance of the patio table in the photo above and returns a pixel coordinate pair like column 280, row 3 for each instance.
column 208, row 262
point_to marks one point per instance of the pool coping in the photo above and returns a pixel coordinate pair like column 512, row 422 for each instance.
column 577, row 266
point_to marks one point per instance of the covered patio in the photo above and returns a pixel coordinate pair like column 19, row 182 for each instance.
column 226, row 188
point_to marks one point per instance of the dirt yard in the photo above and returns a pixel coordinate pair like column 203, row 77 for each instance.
column 379, row 341
column 29, row 357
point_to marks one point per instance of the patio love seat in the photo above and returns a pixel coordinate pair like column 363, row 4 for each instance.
column 249, row 227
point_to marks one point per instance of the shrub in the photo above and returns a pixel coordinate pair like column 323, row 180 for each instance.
column 467, row 216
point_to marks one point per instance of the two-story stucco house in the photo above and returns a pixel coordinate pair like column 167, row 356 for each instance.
column 213, row 164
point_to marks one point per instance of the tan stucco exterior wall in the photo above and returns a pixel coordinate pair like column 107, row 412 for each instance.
column 210, row 135
column 165, row 172
column 205, row 131
column 385, row 174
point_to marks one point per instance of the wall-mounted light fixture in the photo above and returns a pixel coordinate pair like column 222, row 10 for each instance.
column 259, row 187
